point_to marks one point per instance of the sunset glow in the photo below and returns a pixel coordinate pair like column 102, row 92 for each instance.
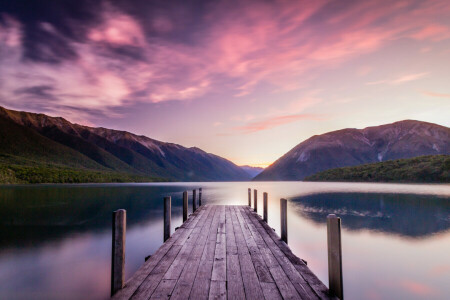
column 246, row 80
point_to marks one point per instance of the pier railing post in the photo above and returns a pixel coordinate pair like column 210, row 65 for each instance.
column 119, row 227
column 335, row 256
column 250, row 197
column 283, row 218
column 255, row 200
column 185, row 206
column 265, row 207
column 194, row 200
column 167, row 217
column 199, row 197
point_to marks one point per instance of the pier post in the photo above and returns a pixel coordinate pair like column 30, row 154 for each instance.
column 119, row 227
column 283, row 218
column 265, row 207
column 185, row 206
column 255, row 200
column 335, row 256
column 167, row 217
column 250, row 197
column 199, row 197
column 194, row 200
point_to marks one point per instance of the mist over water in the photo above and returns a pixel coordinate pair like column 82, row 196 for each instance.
column 55, row 240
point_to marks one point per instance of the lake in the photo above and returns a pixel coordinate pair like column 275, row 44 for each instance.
column 55, row 240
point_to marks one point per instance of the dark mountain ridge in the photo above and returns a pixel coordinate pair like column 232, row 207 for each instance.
column 113, row 150
column 351, row 147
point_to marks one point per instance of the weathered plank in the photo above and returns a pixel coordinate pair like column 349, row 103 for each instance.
column 252, row 286
column 202, row 282
column 224, row 252
column 135, row 281
column 186, row 280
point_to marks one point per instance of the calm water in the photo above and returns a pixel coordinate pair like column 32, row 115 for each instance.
column 55, row 240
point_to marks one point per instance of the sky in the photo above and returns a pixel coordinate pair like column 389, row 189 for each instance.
column 246, row 80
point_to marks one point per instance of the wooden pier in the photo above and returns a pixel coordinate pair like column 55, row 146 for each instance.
column 224, row 252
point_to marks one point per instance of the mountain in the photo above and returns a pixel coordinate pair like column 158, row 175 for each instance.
column 429, row 168
column 28, row 139
column 252, row 171
column 351, row 147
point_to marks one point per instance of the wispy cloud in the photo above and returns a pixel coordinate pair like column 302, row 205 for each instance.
column 273, row 122
column 401, row 79
column 434, row 94
column 127, row 55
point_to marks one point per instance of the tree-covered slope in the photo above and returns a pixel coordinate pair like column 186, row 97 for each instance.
column 430, row 168
column 39, row 146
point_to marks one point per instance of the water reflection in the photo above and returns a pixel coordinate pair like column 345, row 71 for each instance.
column 415, row 216
column 55, row 240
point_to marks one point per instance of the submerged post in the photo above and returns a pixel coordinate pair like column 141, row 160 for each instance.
column 335, row 256
column 185, row 206
column 249, row 197
column 265, row 207
column 283, row 218
column 199, row 197
column 119, row 227
column 167, row 217
column 255, row 200
column 194, row 200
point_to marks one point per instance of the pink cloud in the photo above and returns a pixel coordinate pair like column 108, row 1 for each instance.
column 437, row 95
column 273, row 122
column 401, row 79
column 434, row 32
column 241, row 47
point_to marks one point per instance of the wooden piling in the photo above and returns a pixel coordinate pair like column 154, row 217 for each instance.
column 194, row 200
column 255, row 200
column 119, row 227
column 167, row 217
column 199, row 197
column 185, row 206
column 335, row 256
column 249, row 197
column 283, row 218
column 265, row 206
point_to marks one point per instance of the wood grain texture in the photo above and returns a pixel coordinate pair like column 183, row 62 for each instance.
column 224, row 252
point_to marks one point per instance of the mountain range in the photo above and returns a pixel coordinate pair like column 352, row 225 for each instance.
column 351, row 147
column 37, row 140
column 252, row 171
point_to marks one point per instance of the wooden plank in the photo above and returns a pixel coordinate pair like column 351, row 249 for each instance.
column 235, row 285
column 218, row 290
column 186, row 280
column 179, row 263
column 315, row 284
column 219, row 272
column 270, row 291
column 273, row 257
column 257, row 259
column 252, row 286
column 282, row 281
column 164, row 289
column 200, row 289
column 152, row 281
column 133, row 283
